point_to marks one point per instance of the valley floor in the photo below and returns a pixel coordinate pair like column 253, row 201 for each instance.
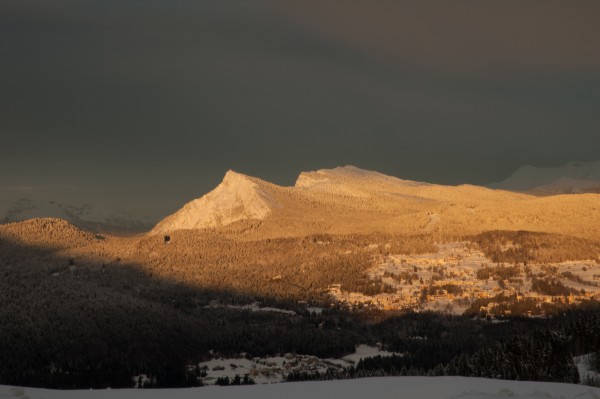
column 372, row 388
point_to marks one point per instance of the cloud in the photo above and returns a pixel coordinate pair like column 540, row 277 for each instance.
column 148, row 103
column 461, row 36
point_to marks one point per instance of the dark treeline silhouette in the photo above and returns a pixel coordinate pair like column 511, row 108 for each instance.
column 72, row 325
column 521, row 349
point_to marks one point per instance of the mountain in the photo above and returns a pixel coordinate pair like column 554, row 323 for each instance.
column 247, row 262
column 575, row 177
column 341, row 200
column 238, row 197
column 19, row 204
column 353, row 181
column 349, row 200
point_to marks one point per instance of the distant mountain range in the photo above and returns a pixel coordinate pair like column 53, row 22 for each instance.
column 343, row 199
column 575, row 177
column 22, row 204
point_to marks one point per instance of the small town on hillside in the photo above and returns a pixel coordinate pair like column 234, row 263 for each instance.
column 458, row 278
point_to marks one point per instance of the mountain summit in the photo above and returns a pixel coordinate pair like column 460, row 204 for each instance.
column 353, row 181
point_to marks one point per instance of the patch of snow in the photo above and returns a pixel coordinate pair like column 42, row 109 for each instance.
column 276, row 368
column 372, row 388
column 266, row 370
column 364, row 351
column 586, row 374
column 255, row 307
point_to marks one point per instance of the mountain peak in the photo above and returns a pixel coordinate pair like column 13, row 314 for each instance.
column 233, row 176
column 337, row 174
column 351, row 180
column 238, row 197
column 350, row 169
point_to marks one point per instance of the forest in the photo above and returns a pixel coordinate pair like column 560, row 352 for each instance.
column 521, row 247
column 79, row 310
column 519, row 349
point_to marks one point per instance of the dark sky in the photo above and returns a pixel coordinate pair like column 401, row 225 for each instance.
column 150, row 102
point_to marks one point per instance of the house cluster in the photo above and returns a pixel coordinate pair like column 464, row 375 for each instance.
column 448, row 280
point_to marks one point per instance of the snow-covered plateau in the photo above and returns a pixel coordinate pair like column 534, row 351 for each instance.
column 372, row 388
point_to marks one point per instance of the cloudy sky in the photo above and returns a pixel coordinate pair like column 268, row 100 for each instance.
column 147, row 103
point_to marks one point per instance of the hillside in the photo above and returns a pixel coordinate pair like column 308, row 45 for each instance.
column 21, row 203
column 343, row 258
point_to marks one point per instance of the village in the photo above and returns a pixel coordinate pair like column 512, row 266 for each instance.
column 278, row 368
column 458, row 276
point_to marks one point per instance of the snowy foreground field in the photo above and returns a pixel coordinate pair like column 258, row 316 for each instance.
column 369, row 388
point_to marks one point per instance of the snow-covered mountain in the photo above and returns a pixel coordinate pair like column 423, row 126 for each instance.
column 575, row 177
column 315, row 195
column 18, row 204
column 353, row 181
column 341, row 200
column 238, row 197
column 349, row 200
